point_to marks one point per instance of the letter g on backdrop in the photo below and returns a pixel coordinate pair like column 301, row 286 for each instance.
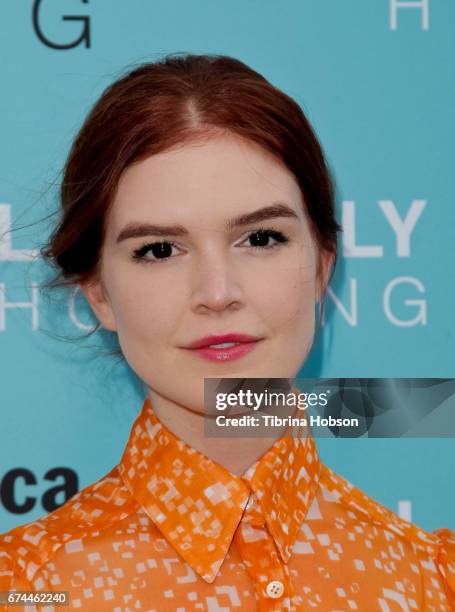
column 84, row 36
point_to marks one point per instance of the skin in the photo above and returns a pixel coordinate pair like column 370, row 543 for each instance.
column 214, row 282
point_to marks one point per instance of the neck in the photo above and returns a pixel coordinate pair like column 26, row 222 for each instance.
column 235, row 453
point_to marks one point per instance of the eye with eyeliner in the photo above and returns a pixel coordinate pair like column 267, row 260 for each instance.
column 139, row 255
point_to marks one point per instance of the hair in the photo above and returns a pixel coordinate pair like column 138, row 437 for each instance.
column 158, row 105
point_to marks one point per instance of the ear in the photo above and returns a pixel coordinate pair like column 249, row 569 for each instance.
column 325, row 268
column 96, row 295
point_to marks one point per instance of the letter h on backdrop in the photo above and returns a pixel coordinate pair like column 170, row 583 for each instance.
column 423, row 5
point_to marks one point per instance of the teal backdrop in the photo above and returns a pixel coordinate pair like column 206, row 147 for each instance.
column 376, row 79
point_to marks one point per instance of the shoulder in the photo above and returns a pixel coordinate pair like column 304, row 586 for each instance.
column 445, row 558
column 432, row 552
column 362, row 506
column 24, row 549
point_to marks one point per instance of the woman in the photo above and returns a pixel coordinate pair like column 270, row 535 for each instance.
column 197, row 211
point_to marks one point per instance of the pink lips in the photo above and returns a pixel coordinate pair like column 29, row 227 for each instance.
column 245, row 345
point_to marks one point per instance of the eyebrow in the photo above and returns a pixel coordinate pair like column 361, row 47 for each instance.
column 274, row 211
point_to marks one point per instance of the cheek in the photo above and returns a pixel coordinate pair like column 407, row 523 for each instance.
column 285, row 294
column 146, row 308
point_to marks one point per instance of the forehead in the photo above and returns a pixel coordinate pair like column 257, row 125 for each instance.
column 207, row 181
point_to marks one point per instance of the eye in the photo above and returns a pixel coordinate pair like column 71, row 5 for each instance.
column 161, row 252
column 261, row 237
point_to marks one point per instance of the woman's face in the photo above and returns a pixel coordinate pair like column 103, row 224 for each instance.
column 215, row 275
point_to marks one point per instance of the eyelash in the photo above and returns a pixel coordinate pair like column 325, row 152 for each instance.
column 139, row 254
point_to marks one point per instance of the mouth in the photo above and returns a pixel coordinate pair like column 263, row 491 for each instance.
column 224, row 348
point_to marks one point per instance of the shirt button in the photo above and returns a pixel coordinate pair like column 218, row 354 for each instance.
column 275, row 589
column 249, row 503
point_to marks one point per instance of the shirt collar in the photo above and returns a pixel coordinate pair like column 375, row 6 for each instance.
column 197, row 504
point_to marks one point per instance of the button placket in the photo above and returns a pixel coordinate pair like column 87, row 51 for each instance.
column 262, row 561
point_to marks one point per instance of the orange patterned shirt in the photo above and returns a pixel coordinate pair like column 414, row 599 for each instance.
column 168, row 529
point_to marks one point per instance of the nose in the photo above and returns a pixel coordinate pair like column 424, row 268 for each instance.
column 215, row 284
